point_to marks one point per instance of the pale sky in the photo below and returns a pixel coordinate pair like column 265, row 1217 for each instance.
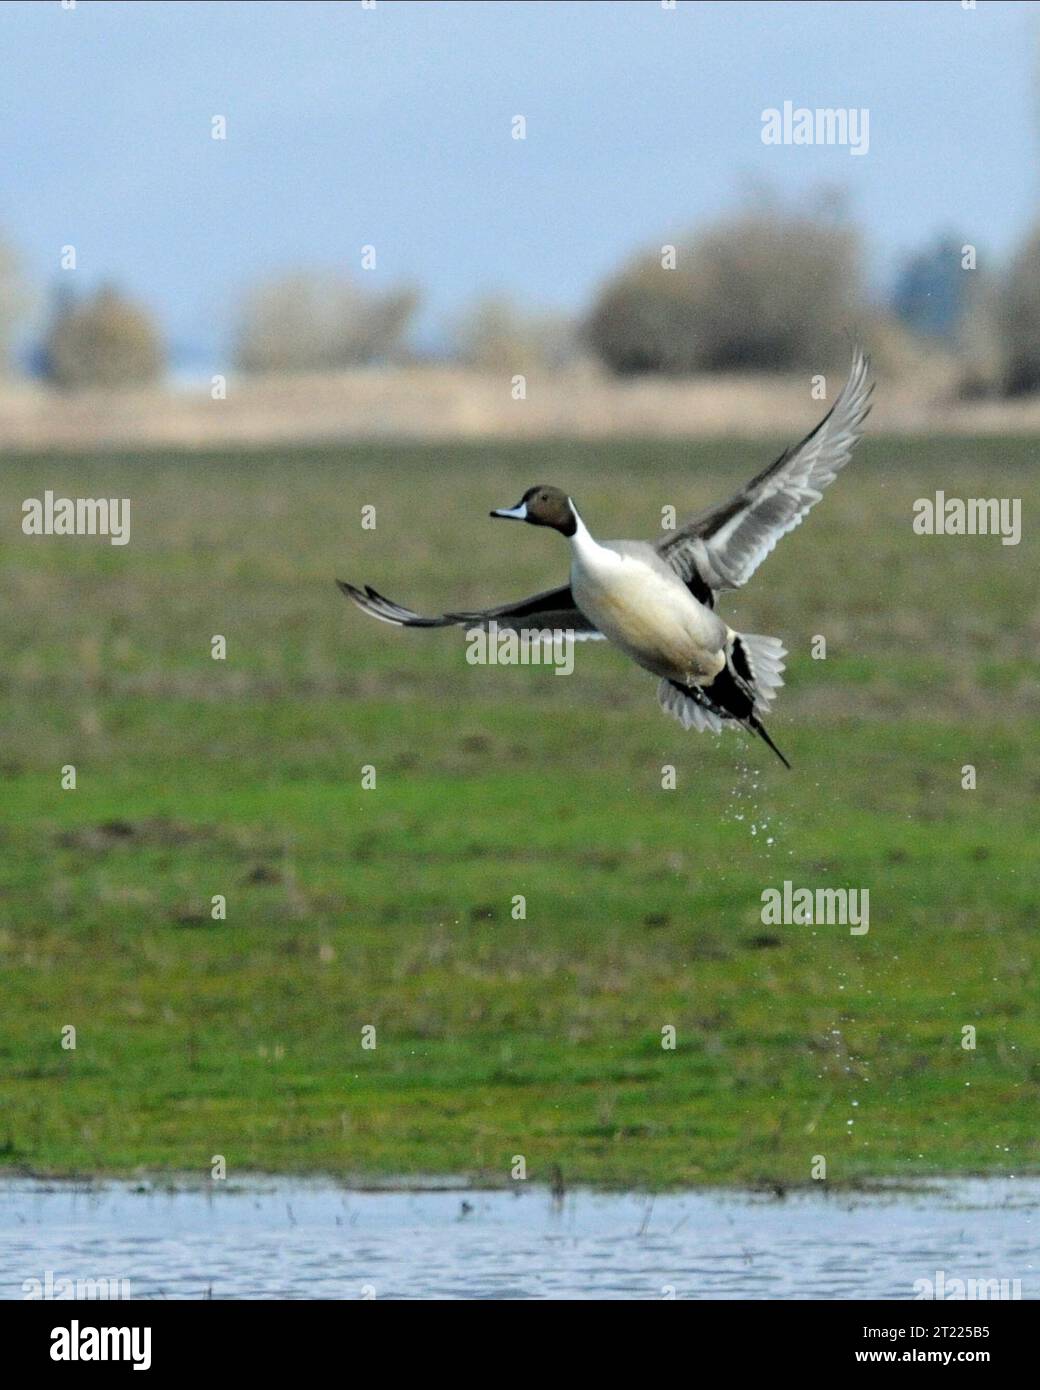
column 392, row 127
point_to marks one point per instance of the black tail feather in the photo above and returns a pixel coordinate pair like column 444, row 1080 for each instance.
column 730, row 698
column 759, row 728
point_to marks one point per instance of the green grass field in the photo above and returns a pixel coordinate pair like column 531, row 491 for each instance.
column 392, row 907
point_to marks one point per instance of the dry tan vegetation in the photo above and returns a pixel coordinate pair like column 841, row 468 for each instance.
column 443, row 403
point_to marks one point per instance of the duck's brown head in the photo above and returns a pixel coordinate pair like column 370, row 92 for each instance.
column 543, row 506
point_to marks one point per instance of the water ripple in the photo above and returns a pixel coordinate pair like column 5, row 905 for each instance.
column 290, row 1238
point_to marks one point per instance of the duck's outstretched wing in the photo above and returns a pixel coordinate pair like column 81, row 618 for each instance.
column 555, row 609
column 722, row 548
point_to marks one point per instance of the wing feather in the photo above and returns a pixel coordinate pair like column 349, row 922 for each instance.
column 554, row 609
column 723, row 546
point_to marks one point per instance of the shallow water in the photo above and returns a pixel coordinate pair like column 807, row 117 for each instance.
column 289, row 1237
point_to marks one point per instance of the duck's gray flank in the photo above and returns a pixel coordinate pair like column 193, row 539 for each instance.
column 656, row 601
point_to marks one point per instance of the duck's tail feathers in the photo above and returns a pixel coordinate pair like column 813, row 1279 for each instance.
column 760, row 729
column 760, row 662
column 740, row 694
column 689, row 706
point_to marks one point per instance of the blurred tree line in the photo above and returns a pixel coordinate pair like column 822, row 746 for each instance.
column 314, row 322
column 763, row 290
column 103, row 340
column 768, row 288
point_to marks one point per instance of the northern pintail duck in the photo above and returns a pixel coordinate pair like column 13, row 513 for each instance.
column 656, row 601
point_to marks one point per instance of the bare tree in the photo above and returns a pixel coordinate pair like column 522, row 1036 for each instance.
column 314, row 321
column 1018, row 319
column 763, row 290
column 13, row 301
column 495, row 335
column 103, row 341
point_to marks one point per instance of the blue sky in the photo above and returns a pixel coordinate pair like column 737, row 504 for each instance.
column 391, row 127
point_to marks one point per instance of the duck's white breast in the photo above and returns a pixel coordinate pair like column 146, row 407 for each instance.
column 649, row 614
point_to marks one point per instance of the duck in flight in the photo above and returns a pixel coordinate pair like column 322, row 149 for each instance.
column 656, row 600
